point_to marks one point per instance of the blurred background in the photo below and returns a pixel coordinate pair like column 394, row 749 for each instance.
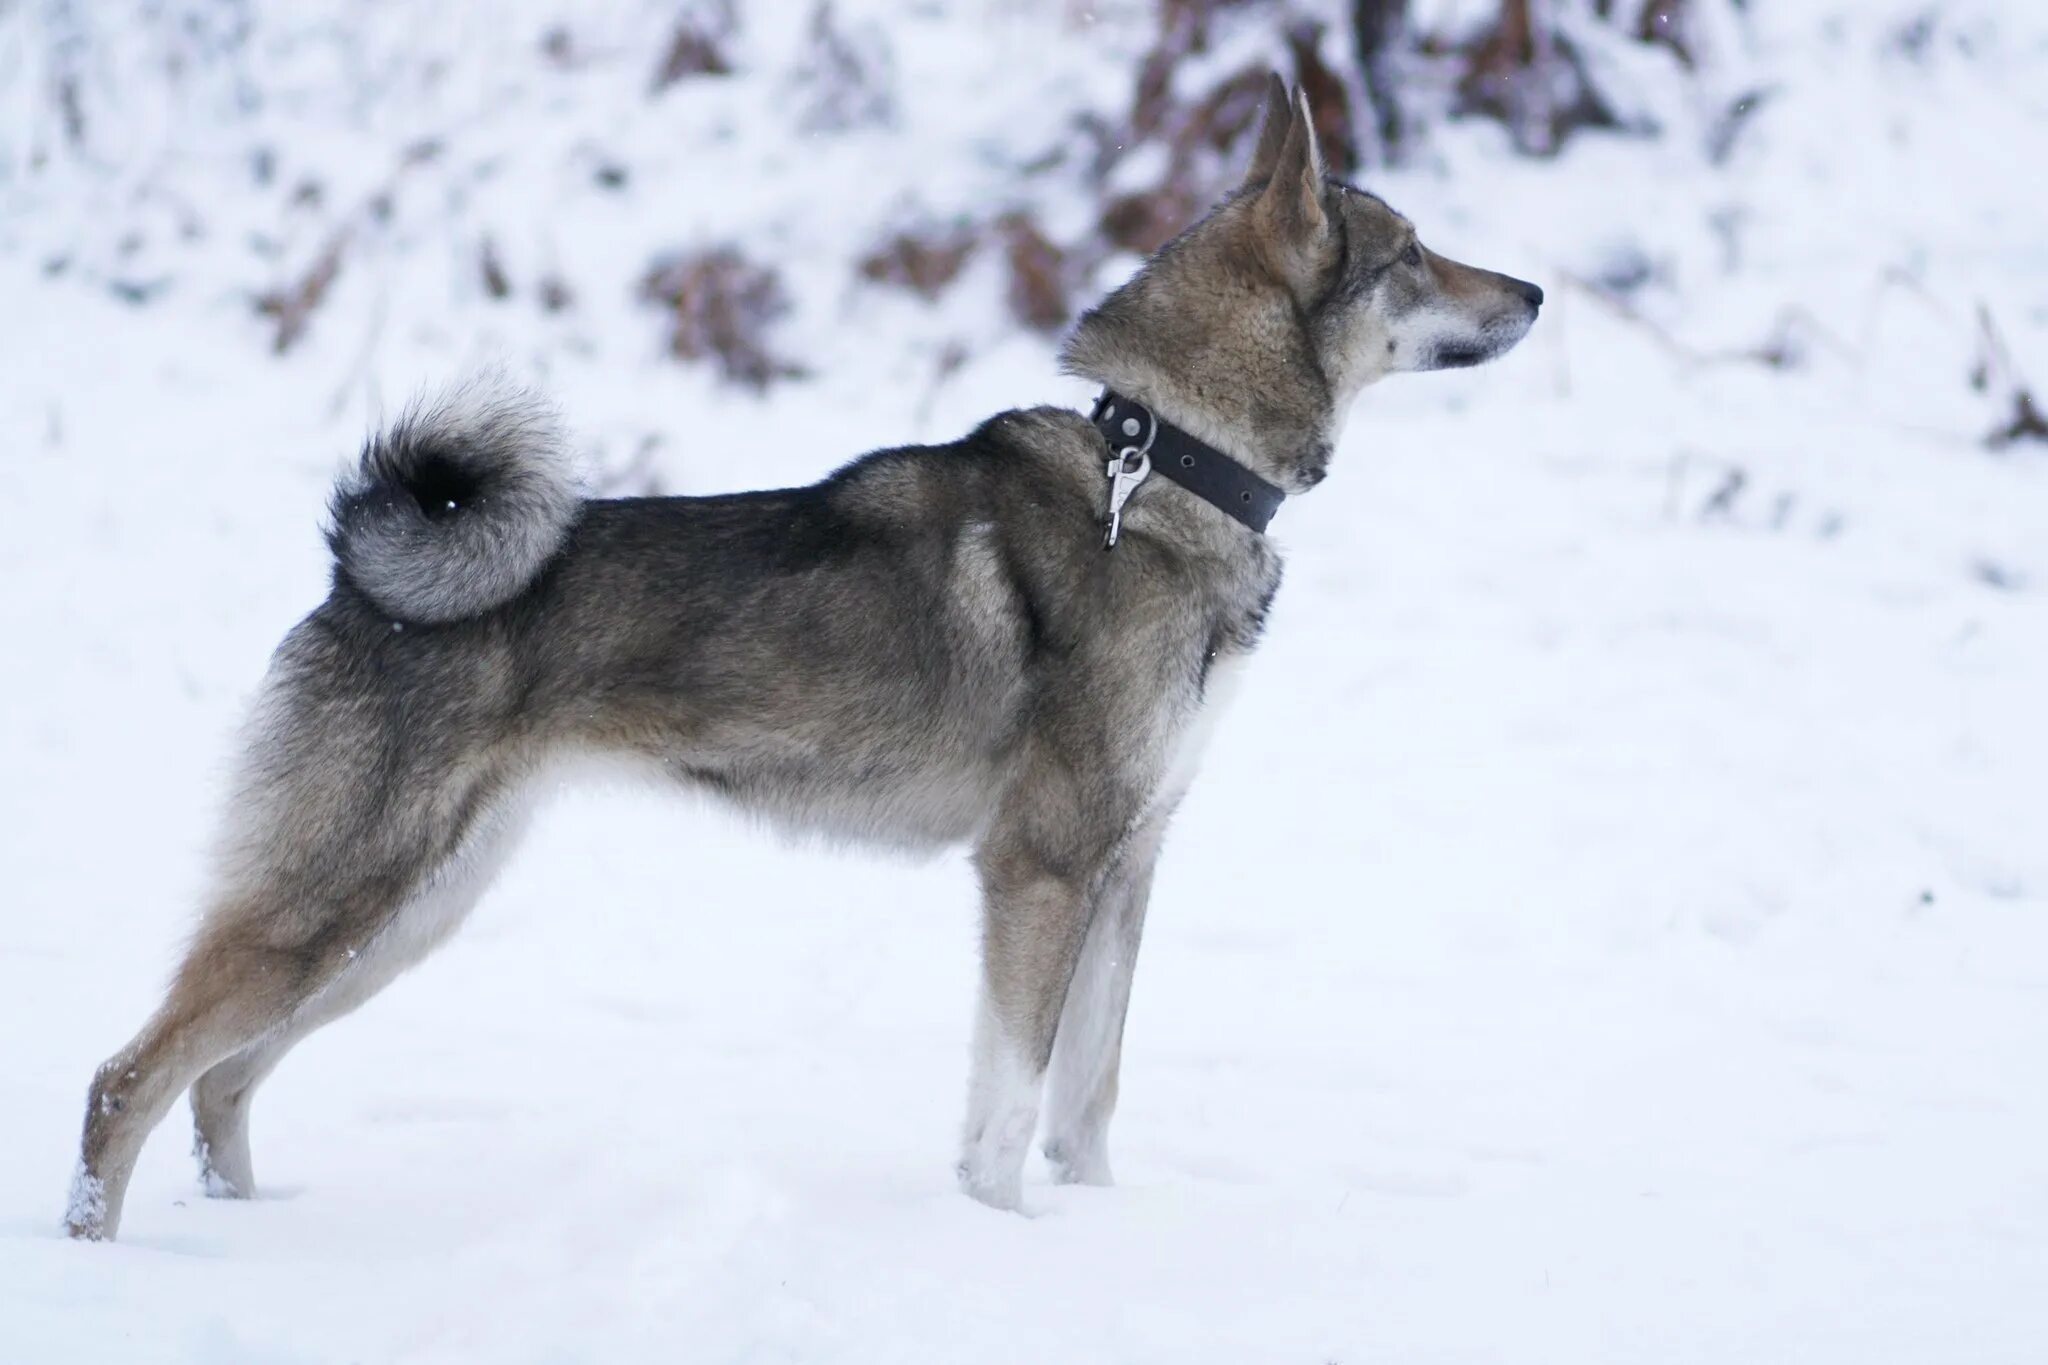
column 1610, row 928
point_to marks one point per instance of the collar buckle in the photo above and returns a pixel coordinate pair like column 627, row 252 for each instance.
column 1195, row 465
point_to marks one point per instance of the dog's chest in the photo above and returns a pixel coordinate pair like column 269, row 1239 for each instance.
column 1198, row 725
column 1232, row 638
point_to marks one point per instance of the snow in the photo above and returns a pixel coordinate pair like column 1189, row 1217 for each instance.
column 1608, row 924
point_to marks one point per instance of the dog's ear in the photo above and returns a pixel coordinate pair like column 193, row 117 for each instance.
column 1292, row 224
column 1273, row 134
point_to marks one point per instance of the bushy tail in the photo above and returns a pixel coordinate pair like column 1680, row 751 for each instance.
column 456, row 507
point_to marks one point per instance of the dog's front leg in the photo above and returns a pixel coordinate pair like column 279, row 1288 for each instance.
column 1041, row 881
column 1082, row 1087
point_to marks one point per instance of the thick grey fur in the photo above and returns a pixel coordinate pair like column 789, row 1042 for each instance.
column 928, row 647
column 456, row 505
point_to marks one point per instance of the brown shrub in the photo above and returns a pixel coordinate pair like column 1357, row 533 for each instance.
column 1038, row 285
column 291, row 306
column 1146, row 220
column 1532, row 79
column 922, row 260
column 1327, row 97
column 721, row 307
column 496, row 282
column 555, row 294
column 697, row 46
column 845, row 75
column 1665, row 23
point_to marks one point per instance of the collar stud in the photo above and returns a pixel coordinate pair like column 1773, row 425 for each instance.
column 1195, row 465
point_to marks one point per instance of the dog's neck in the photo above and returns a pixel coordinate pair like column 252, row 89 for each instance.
column 1278, row 423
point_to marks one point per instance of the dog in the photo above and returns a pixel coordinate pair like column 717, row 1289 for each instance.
column 1017, row 640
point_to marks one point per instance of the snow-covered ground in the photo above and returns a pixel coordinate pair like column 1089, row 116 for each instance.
column 1610, row 928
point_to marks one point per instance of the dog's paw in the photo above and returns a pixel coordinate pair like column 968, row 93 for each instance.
column 1078, row 1164
column 215, row 1185
column 224, row 1174
column 997, row 1190
column 85, row 1212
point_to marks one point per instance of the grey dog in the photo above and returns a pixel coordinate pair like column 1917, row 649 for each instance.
column 933, row 645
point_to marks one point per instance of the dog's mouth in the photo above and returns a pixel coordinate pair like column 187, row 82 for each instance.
column 1459, row 356
column 1495, row 338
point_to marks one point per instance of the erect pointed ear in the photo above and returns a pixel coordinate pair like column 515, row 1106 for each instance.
column 1293, row 227
column 1312, row 147
column 1273, row 134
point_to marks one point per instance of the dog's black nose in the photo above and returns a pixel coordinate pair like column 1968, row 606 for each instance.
column 1532, row 294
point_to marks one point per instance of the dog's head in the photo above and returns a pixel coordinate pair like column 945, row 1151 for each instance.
column 1257, row 326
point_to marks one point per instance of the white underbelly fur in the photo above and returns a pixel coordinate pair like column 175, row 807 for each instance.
column 1185, row 757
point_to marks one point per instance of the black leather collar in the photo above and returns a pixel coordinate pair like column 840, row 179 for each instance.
column 1197, row 466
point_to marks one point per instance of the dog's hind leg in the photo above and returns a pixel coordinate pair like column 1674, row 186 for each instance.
column 353, row 798
column 222, row 1094
column 267, row 966
column 1082, row 1085
column 234, row 987
column 220, row 1111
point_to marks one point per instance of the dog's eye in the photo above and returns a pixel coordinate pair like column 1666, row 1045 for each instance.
column 1413, row 255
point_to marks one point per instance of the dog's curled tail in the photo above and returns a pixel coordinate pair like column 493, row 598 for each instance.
column 457, row 506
